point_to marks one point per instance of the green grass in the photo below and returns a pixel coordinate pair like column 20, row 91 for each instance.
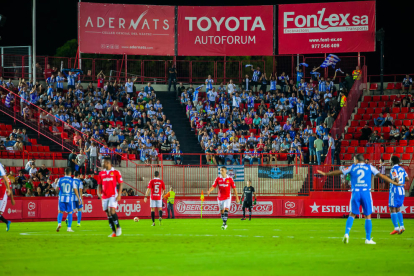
column 200, row 247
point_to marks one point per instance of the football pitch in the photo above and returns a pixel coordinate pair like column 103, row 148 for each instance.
column 200, row 247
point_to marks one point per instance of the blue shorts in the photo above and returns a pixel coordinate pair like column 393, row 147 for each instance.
column 396, row 200
column 76, row 205
column 312, row 151
column 65, row 207
column 363, row 199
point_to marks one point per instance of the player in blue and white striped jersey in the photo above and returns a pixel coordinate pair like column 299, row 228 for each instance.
column 77, row 202
column 397, row 195
column 59, row 82
column 9, row 99
column 66, row 190
column 361, row 175
column 71, row 78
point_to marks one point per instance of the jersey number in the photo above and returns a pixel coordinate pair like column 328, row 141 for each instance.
column 361, row 176
column 66, row 188
column 156, row 189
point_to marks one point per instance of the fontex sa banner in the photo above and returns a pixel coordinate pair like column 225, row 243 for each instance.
column 338, row 27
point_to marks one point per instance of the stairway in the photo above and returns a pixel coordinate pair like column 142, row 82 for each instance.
column 180, row 124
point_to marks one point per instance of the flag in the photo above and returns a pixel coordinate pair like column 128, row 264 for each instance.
column 315, row 73
column 247, row 65
column 202, row 196
column 339, row 70
column 331, row 60
column 304, row 64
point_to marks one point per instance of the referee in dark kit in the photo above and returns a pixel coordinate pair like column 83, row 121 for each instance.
column 247, row 199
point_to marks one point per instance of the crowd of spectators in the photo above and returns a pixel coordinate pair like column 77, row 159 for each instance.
column 264, row 115
column 113, row 117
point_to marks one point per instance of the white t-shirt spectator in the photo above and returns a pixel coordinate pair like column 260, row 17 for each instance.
column 129, row 87
column 212, row 96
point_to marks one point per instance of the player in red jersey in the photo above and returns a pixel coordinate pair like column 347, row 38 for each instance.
column 107, row 181
column 5, row 191
column 157, row 188
column 225, row 184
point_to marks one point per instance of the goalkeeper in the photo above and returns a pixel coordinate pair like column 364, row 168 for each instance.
column 247, row 199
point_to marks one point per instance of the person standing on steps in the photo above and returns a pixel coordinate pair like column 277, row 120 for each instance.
column 172, row 78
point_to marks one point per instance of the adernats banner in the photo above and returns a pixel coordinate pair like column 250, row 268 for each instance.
column 338, row 27
column 225, row 31
column 126, row 29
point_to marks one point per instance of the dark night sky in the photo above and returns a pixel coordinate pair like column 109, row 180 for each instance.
column 57, row 23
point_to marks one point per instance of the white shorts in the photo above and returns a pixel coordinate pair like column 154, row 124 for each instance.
column 3, row 203
column 224, row 204
column 109, row 202
column 155, row 203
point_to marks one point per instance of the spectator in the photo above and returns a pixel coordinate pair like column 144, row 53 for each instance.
column 379, row 121
column 172, row 78
column 81, row 162
column 388, row 121
column 72, row 160
column 210, row 155
column 366, row 132
column 374, row 138
column 176, row 153
column 331, row 142
column 407, row 83
column 44, row 171
column 318, row 144
column 394, row 134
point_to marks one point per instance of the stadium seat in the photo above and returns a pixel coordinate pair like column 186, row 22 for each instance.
column 398, row 123
column 365, row 104
column 404, row 109
column 395, row 110
column 367, row 98
column 389, row 149
column 401, row 116
column 381, row 104
column 354, row 143
column 131, row 157
column 363, row 143
column 370, row 110
column 372, row 104
column 390, row 86
column 386, row 129
column 411, row 142
column 410, row 116
column 373, row 86
column 386, row 156
column 406, row 156
column 351, row 150
column 354, row 123
column 360, row 150
column 409, row 149
column 351, row 130
column 346, row 143
column 366, row 117
column 385, row 98
column 376, row 98
column 407, row 122
column 357, row 117
column 397, row 155
column 370, row 149
column 362, row 123
column 377, row 129
column 347, row 157
column 61, row 171
column 378, row 110
column 398, row 86
column 357, row 135
column 403, row 143
column 399, row 150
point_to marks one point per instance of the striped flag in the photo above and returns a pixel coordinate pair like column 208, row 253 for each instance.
column 331, row 60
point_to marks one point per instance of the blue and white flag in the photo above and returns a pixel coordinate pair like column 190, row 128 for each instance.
column 247, row 65
column 315, row 73
column 339, row 70
column 303, row 64
column 331, row 60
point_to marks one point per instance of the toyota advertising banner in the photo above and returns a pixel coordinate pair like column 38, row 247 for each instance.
column 337, row 27
column 225, row 31
column 126, row 29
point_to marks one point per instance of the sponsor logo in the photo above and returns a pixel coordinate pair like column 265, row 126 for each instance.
column 187, row 207
column 314, row 208
column 231, row 24
column 87, row 208
column 323, row 21
column 129, row 208
column 107, row 179
column 31, row 206
column 289, row 205
column 140, row 23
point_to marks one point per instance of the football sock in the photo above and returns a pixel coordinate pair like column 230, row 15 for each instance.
column 70, row 219
column 250, row 212
column 116, row 220
column 153, row 216
column 111, row 223
column 226, row 216
column 222, row 217
column 368, row 228
column 60, row 217
column 79, row 217
column 348, row 225
column 244, row 212
column 400, row 219
column 160, row 214
column 3, row 219
column 394, row 219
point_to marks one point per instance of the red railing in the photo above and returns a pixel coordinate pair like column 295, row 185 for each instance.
column 156, row 71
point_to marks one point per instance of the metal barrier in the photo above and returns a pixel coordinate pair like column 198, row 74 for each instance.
column 156, row 71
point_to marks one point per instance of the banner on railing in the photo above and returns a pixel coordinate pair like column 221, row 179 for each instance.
column 225, row 31
column 126, row 29
column 234, row 171
column 275, row 172
column 338, row 27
